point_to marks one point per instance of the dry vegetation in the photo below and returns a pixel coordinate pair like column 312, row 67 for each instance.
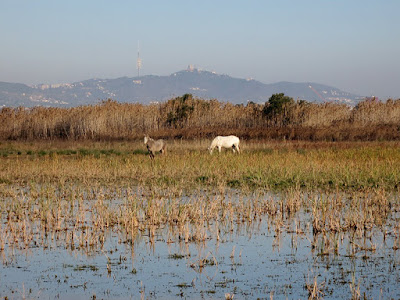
column 188, row 117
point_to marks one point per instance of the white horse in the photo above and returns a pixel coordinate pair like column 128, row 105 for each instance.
column 226, row 142
column 154, row 146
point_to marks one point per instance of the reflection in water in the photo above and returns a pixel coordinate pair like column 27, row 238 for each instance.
column 121, row 243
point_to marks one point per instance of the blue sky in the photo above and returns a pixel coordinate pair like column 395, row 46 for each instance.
column 353, row 45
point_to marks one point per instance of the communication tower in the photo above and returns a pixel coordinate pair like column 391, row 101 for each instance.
column 139, row 61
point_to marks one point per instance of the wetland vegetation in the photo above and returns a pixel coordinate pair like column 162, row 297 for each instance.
column 309, row 209
column 280, row 118
column 289, row 219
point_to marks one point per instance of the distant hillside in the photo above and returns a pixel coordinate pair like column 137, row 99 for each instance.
column 146, row 89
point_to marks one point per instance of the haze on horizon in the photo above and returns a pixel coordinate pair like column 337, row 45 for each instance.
column 351, row 45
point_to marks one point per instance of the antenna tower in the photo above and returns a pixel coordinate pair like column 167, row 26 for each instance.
column 138, row 62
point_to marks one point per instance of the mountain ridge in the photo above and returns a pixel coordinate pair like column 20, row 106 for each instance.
column 155, row 88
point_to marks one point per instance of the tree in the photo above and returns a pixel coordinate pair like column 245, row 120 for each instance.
column 277, row 108
column 182, row 108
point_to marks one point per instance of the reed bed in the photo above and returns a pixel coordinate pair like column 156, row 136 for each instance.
column 189, row 117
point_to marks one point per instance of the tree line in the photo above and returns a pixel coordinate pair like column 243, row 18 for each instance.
column 281, row 117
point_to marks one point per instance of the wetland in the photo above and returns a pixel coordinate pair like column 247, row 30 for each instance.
column 292, row 220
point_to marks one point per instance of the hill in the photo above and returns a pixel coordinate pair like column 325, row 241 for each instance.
column 151, row 88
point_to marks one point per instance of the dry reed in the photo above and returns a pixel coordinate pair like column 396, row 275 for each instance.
column 188, row 117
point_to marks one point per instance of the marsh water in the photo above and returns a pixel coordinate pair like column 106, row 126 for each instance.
column 267, row 256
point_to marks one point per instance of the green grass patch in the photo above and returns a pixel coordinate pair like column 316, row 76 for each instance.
column 86, row 268
column 140, row 152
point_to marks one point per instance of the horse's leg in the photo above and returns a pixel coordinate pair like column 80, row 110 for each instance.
column 219, row 149
column 237, row 148
column 151, row 154
column 233, row 148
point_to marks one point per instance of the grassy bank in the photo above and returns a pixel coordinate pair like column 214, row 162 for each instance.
column 187, row 165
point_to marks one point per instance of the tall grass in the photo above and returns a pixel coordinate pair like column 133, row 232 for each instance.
column 188, row 117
